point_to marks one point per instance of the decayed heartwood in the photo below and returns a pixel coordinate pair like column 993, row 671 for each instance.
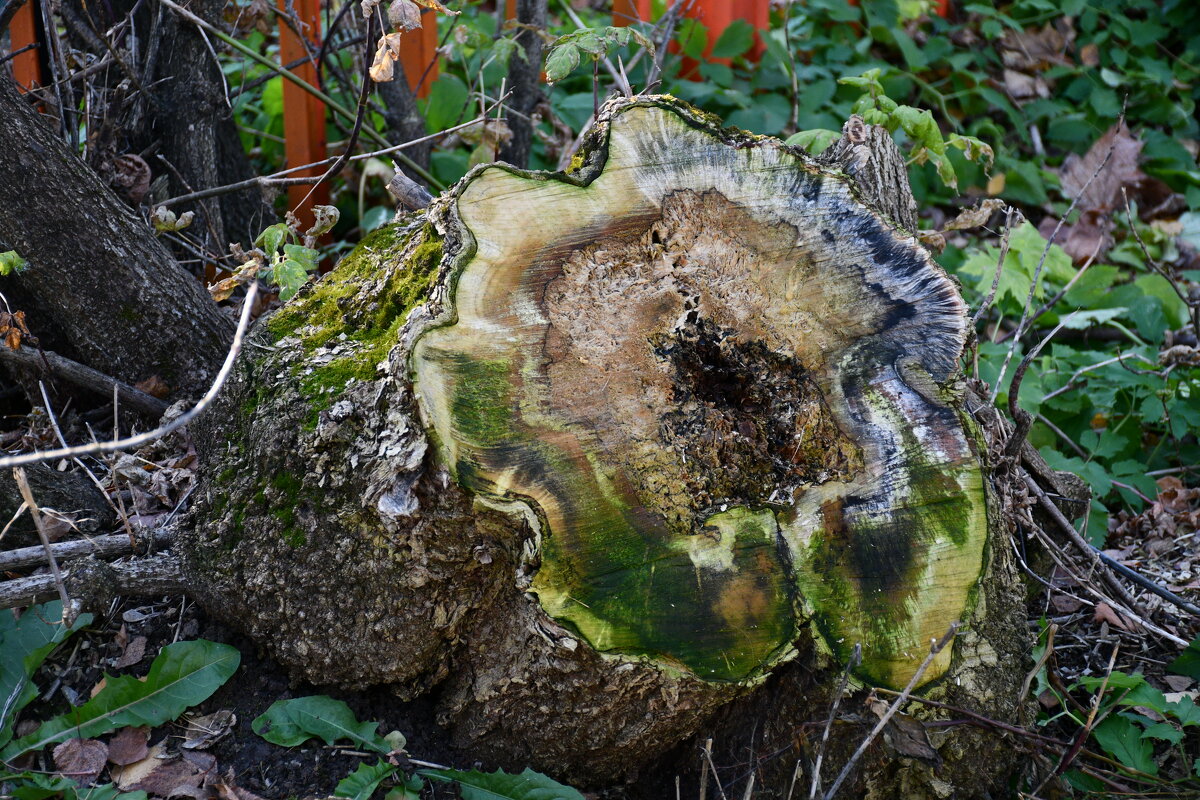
column 611, row 459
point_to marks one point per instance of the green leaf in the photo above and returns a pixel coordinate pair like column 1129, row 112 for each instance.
column 562, row 61
column 270, row 239
column 24, row 644
column 11, row 262
column 289, row 275
column 734, row 40
column 1079, row 320
column 1164, row 731
column 361, row 784
column 1188, row 662
column 814, row 141
column 1185, row 710
column 448, row 97
column 291, row 722
column 499, row 785
column 183, row 675
column 692, row 37
column 304, row 256
column 1123, row 740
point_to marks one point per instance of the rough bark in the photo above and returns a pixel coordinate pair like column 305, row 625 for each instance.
column 101, row 279
column 600, row 454
column 524, row 75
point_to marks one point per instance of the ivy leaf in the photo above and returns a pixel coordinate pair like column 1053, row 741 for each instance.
column 1121, row 738
column 24, row 644
column 499, row 785
column 361, row 784
column 183, row 675
column 291, row 722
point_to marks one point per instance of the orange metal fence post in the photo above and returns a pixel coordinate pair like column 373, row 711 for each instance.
column 418, row 54
column 628, row 12
column 303, row 114
column 758, row 14
column 22, row 32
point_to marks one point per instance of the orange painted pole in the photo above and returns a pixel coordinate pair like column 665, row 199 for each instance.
column 758, row 14
column 303, row 114
column 418, row 54
column 628, row 12
column 22, row 32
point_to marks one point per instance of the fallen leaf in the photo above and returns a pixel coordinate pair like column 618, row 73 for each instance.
column 908, row 737
column 1021, row 86
column 1089, row 55
column 160, row 775
column 153, row 386
column 1178, row 683
column 227, row 789
column 1065, row 603
column 129, row 746
column 202, row 731
column 1105, row 613
column 81, row 759
column 134, row 652
column 975, row 217
column 1111, row 171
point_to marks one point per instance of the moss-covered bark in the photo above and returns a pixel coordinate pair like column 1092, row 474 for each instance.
column 601, row 454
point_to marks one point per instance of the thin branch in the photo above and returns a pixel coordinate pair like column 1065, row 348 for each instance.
column 991, row 295
column 107, row 546
column 815, row 786
column 36, row 513
column 150, row 436
column 83, row 376
column 936, row 646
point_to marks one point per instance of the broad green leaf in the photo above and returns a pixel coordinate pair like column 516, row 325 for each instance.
column 183, row 675
column 361, row 784
column 291, row 722
column 448, row 98
column 289, row 276
column 499, row 785
column 814, row 141
column 1084, row 319
column 1185, row 710
column 270, row 239
column 561, row 61
column 1164, row 731
column 734, row 40
column 24, row 644
column 1188, row 662
column 304, row 256
column 1174, row 308
column 1121, row 738
column 1029, row 245
column 692, row 37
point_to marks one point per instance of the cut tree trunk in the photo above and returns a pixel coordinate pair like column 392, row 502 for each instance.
column 615, row 457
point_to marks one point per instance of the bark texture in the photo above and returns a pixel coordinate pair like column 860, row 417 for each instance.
column 595, row 456
column 100, row 277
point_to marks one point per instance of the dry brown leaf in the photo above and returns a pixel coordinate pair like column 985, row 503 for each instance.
column 383, row 68
column 153, row 386
column 203, row 731
column 908, row 737
column 159, row 775
column 134, row 652
column 1021, row 86
column 227, row 789
column 1034, row 49
column 1121, row 169
column 129, row 745
column 368, row 7
column 1177, row 683
column 404, row 14
column 436, row 6
column 975, row 217
column 1089, row 55
column 81, row 759
column 1105, row 613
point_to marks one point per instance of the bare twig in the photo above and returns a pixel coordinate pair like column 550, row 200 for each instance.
column 991, row 295
column 936, row 646
column 815, row 786
column 1037, row 273
column 115, row 544
column 145, row 438
column 36, row 513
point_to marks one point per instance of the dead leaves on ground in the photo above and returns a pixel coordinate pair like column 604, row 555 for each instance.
column 1099, row 182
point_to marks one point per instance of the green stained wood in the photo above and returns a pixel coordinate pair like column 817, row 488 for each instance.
column 723, row 386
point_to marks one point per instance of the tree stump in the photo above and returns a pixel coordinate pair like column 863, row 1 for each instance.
column 594, row 455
